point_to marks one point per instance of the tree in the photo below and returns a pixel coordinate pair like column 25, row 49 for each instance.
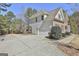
column 75, row 17
column 16, row 25
column 29, row 12
column 55, row 32
column 10, row 15
column 3, row 19
column 74, row 6
column 75, row 14
column 19, row 26
column 34, row 11
column 73, row 25
column 3, row 6
column 3, row 25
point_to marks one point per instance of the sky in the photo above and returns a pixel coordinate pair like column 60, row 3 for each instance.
column 19, row 8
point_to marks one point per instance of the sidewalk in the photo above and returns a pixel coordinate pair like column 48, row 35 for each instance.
column 67, row 39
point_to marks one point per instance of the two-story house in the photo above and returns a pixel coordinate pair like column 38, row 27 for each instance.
column 42, row 21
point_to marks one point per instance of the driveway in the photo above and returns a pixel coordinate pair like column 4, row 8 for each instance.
column 28, row 45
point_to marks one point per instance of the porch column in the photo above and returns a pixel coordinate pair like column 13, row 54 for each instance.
column 37, row 31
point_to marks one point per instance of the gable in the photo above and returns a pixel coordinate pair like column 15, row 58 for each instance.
column 60, row 15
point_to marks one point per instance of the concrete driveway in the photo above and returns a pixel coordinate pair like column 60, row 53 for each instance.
column 28, row 45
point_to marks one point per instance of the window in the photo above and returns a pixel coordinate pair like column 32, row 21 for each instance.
column 56, row 25
column 45, row 16
column 42, row 17
column 65, row 27
column 36, row 19
column 26, row 29
column 59, row 16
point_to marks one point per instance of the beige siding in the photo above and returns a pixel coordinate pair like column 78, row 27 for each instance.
column 60, row 13
column 64, row 21
column 61, row 25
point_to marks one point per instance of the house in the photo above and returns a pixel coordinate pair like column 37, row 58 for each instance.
column 42, row 21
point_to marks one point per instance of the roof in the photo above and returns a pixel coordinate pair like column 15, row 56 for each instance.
column 41, row 12
column 54, row 12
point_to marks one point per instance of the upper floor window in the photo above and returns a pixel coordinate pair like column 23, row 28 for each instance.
column 36, row 19
column 59, row 16
column 42, row 17
column 65, row 27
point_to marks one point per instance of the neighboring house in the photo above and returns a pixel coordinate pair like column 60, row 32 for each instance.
column 42, row 21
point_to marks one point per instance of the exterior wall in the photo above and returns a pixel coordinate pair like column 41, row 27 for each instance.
column 34, row 19
column 36, row 25
column 38, row 18
column 64, row 21
column 61, row 25
column 60, row 15
column 64, row 26
column 45, row 16
column 68, row 28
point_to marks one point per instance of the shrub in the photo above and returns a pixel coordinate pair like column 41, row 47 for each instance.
column 68, row 33
column 63, row 34
column 55, row 32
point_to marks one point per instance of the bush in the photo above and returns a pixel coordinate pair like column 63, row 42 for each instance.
column 3, row 31
column 55, row 32
column 63, row 34
column 68, row 33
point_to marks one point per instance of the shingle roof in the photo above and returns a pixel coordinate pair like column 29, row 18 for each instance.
column 54, row 12
column 39, row 13
column 51, row 13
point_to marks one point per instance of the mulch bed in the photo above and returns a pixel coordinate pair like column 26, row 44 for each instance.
column 70, row 51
